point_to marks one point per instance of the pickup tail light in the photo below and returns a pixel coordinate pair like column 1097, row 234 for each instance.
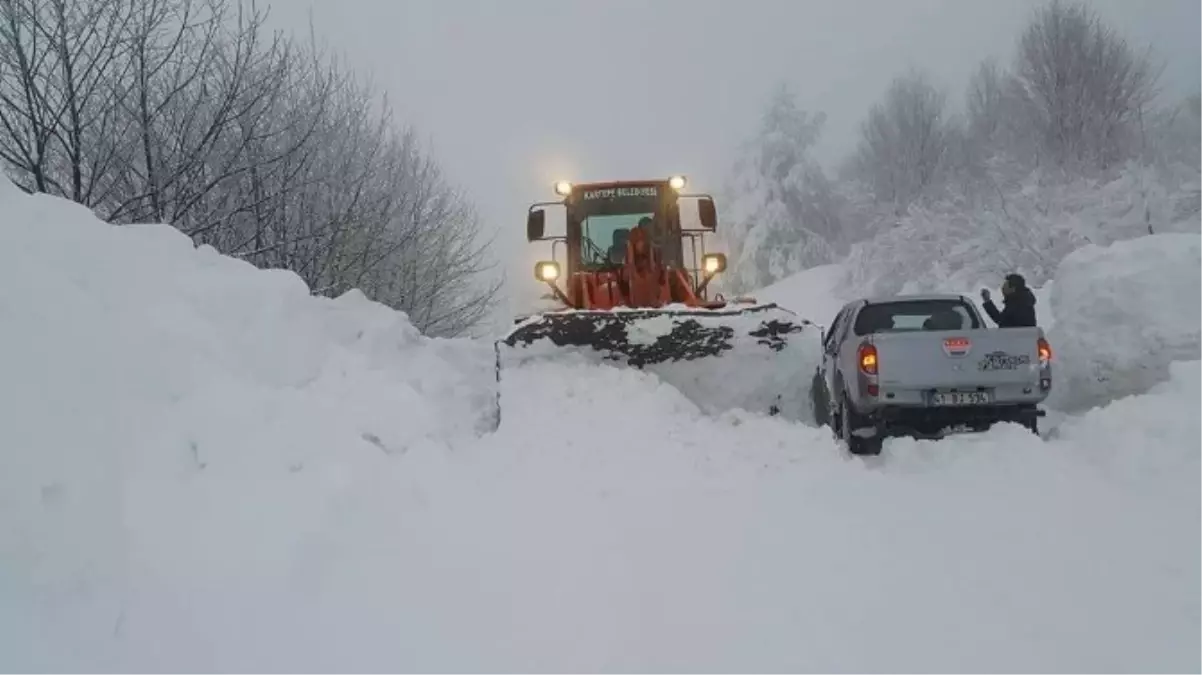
column 1045, row 352
column 867, row 359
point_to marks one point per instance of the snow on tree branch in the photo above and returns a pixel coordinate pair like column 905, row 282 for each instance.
column 1070, row 144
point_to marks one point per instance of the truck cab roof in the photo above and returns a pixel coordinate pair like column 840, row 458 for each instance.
column 914, row 297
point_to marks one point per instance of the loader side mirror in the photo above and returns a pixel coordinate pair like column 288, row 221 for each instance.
column 536, row 224
column 709, row 215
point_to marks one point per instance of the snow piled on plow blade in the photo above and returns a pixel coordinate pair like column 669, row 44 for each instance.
column 758, row 358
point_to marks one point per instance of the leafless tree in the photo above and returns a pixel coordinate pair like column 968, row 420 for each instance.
column 985, row 102
column 903, row 149
column 990, row 147
column 190, row 112
column 1083, row 88
column 27, row 111
column 56, row 102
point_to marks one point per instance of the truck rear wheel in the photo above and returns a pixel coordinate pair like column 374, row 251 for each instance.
column 850, row 421
column 819, row 406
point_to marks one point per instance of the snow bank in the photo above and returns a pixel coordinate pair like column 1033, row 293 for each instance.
column 205, row 469
column 816, row 294
column 1124, row 312
column 820, row 292
column 153, row 394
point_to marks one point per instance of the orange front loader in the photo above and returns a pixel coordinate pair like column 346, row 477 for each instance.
column 632, row 283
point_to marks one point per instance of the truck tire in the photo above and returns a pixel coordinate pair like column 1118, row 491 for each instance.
column 849, row 419
column 818, row 402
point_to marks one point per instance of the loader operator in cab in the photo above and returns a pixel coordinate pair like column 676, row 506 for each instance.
column 648, row 227
column 1018, row 304
column 656, row 231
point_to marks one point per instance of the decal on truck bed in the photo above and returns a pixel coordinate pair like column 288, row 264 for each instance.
column 1000, row 360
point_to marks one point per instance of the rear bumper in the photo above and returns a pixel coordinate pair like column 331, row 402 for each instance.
column 929, row 421
column 1008, row 394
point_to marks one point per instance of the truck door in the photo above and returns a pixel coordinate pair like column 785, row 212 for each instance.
column 830, row 353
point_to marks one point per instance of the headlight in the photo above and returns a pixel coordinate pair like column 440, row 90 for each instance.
column 713, row 263
column 546, row 271
column 563, row 188
column 677, row 182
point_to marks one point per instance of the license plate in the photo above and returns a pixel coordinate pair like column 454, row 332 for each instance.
column 952, row 398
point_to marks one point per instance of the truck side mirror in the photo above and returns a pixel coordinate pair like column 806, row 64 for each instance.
column 709, row 215
column 536, row 223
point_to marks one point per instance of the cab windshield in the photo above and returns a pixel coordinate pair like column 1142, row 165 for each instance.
column 604, row 237
column 606, row 218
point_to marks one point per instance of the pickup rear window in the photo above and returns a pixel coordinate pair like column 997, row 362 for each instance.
column 915, row 315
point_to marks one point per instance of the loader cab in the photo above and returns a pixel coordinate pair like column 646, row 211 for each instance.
column 600, row 217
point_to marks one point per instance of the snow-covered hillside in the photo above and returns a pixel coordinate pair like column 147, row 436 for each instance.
column 204, row 468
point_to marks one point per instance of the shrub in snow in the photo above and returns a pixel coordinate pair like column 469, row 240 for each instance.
column 1124, row 313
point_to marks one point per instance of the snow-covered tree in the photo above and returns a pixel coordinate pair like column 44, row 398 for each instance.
column 1063, row 146
column 1028, row 228
column 782, row 212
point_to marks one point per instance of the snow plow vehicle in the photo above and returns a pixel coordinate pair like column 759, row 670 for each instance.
column 921, row 365
column 634, row 290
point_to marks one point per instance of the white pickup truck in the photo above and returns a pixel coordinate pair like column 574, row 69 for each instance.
column 921, row 365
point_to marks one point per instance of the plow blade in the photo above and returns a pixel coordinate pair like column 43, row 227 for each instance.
column 758, row 358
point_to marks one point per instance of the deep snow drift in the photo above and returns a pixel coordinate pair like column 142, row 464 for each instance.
column 1128, row 311
column 203, row 468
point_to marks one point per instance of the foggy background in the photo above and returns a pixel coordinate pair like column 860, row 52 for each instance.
column 515, row 95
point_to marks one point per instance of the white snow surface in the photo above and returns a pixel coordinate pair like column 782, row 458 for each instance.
column 203, row 468
column 816, row 294
column 1126, row 312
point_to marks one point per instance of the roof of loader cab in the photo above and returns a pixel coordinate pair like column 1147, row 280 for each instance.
column 600, row 185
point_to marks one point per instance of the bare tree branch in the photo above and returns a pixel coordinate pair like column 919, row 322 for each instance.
column 191, row 112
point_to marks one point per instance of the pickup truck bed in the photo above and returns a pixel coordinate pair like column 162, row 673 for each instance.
column 931, row 380
column 1001, row 364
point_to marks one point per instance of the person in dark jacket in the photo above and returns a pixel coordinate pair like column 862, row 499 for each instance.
column 1018, row 303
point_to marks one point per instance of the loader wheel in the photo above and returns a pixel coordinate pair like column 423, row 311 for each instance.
column 850, row 420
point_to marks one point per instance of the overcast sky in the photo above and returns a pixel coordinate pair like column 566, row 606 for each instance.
column 515, row 94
